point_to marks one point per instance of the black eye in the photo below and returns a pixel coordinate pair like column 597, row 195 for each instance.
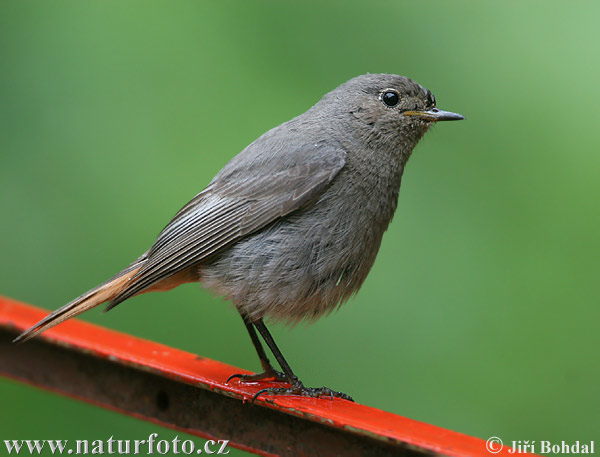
column 390, row 98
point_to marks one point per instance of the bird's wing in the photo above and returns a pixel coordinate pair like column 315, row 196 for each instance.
column 234, row 205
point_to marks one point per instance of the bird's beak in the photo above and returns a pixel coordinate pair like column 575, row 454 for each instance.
column 434, row 115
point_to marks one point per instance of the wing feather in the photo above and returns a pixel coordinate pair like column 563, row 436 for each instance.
column 232, row 207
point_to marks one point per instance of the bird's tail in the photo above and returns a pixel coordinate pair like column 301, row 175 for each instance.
column 98, row 295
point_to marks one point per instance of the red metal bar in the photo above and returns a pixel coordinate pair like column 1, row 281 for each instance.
column 181, row 369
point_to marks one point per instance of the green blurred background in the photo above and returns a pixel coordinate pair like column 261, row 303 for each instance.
column 481, row 313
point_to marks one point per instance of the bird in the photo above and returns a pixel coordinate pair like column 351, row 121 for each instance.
column 289, row 229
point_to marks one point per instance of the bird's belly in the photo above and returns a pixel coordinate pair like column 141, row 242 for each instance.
column 300, row 267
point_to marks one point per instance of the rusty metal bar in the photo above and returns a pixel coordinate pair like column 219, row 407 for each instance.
column 188, row 392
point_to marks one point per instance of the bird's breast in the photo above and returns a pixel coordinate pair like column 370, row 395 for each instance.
column 305, row 264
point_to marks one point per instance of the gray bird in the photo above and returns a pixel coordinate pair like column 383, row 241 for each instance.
column 290, row 227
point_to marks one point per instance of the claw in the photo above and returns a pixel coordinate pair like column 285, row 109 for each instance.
column 270, row 374
column 302, row 391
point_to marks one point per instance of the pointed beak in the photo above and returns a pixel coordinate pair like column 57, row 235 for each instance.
column 435, row 115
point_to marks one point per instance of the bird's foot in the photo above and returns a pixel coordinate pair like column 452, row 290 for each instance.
column 297, row 388
column 267, row 374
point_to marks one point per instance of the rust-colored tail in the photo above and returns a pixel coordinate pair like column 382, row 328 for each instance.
column 98, row 295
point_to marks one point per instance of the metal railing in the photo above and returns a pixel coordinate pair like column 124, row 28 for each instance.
column 187, row 392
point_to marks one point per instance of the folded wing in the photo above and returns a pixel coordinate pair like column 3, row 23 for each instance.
column 234, row 205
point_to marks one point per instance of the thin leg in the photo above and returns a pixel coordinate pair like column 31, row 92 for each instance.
column 268, row 371
column 262, row 355
column 297, row 388
column 291, row 377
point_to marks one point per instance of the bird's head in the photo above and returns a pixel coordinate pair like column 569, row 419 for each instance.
column 386, row 109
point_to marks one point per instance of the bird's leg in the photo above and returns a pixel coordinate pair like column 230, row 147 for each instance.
column 297, row 388
column 268, row 371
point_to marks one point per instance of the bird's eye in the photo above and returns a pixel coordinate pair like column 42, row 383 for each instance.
column 390, row 97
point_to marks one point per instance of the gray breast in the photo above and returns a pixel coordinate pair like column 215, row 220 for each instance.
column 306, row 264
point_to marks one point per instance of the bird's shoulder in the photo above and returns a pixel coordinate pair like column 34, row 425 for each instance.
column 292, row 151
